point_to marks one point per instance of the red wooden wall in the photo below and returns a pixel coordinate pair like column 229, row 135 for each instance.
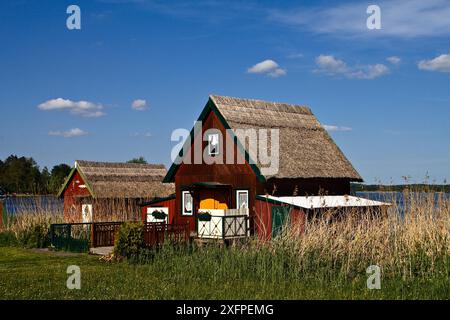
column 263, row 219
column 72, row 207
column 169, row 203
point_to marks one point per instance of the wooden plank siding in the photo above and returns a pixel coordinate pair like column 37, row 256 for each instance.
column 168, row 203
column 307, row 187
column 72, row 198
column 263, row 219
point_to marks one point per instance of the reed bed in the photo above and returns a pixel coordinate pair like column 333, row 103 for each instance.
column 411, row 240
column 28, row 226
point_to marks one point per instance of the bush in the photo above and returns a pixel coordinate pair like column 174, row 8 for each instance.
column 36, row 236
column 7, row 239
column 129, row 240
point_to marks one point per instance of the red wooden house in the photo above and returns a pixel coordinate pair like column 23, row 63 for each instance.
column 231, row 191
column 104, row 191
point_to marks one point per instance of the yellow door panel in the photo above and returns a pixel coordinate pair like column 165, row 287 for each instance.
column 213, row 200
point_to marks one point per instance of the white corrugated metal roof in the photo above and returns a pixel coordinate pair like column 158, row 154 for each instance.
column 317, row 202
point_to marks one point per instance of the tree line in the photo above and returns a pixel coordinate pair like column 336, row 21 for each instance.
column 22, row 175
column 417, row 187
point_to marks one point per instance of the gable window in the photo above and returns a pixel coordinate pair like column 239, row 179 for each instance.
column 213, row 144
column 187, row 203
column 241, row 199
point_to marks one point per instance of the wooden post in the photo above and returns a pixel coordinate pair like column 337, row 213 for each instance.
column 93, row 235
column 1, row 215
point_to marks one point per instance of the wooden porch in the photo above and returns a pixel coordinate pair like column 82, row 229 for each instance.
column 223, row 224
column 83, row 236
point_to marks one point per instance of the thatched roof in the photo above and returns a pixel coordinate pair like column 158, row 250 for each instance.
column 124, row 180
column 306, row 149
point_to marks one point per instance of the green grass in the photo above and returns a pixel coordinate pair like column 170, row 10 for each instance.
column 206, row 273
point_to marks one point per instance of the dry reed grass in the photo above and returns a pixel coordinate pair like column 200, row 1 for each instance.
column 408, row 242
column 31, row 221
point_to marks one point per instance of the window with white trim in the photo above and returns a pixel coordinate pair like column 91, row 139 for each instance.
column 187, row 204
column 241, row 199
column 213, row 144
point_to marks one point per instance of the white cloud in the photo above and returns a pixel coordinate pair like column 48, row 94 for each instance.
column 440, row 64
column 330, row 65
column 268, row 67
column 277, row 73
column 369, row 71
column 76, row 132
column 336, row 128
column 399, row 18
column 139, row 104
column 80, row 108
column 394, row 60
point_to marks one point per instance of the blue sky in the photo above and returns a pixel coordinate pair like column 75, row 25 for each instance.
column 383, row 94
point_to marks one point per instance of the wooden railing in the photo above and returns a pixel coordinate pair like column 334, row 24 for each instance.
column 71, row 236
column 104, row 233
column 156, row 233
column 223, row 226
column 82, row 236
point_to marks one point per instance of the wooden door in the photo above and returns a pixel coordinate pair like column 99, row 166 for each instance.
column 280, row 219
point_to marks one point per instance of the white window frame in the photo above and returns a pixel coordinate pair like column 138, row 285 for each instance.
column 184, row 213
column 238, row 191
column 209, row 144
column 151, row 218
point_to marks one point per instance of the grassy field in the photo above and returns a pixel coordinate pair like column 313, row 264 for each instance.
column 36, row 274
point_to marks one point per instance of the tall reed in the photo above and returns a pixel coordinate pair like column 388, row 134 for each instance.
column 30, row 222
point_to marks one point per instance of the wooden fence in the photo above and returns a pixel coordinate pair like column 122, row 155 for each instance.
column 156, row 233
column 81, row 236
column 1, row 215
column 104, row 233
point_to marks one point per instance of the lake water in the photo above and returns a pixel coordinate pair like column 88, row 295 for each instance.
column 398, row 196
column 33, row 204
column 54, row 204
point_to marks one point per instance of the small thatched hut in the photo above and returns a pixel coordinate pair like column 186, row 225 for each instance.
column 102, row 191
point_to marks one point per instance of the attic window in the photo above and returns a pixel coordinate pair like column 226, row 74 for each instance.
column 213, row 144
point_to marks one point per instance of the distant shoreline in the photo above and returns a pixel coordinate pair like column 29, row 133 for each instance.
column 357, row 187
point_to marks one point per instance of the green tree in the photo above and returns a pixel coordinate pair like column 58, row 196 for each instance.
column 58, row 176
column 20, row 175
column 45, row 181
column 140, row 160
